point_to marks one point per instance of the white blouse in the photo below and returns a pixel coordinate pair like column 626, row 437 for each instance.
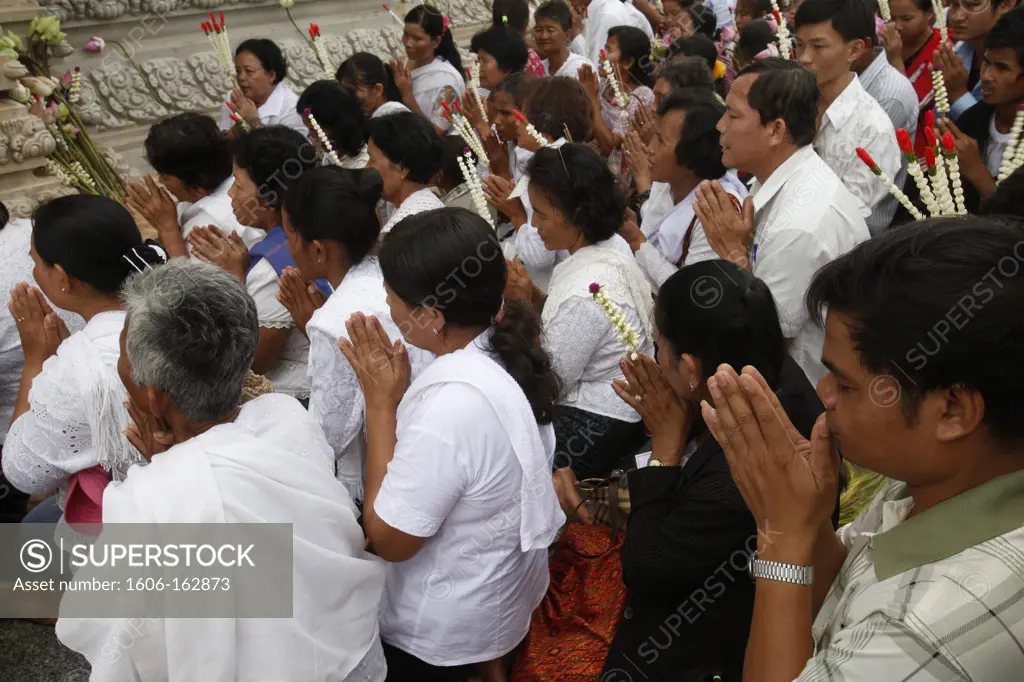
column 571, row 67
column 289, row 374
column 456, row 479
column 417, row 202
column 335, row 398
column 215, row 209
column 585, row 349
column 54, row 439
column 281, row 108
column 15, row 267
column 389, row 108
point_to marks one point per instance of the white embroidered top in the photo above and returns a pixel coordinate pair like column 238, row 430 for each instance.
column 584, row 347
column 417, row 202
column 289, row 374
column 335, row 398
column 215, row 209
column 73, row 403
column 281, row 108
column 571, row 67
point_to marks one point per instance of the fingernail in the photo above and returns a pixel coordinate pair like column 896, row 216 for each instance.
column 716, row 391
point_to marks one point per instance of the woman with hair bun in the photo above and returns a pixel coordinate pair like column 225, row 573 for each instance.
column 338, row 251
column 432, row 74
column 67, row 431
column 341, row 119
column 458, row 462
column 406, row 150
column 373, row 84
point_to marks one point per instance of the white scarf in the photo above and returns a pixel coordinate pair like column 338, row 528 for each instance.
column 540, row 514
column 619, row 276
column 429, row 80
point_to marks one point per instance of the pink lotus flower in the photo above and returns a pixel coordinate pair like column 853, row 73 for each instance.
column 66, row 79
column 95, row 44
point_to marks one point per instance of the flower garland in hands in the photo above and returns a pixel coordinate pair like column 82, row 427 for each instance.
column 534, row 133
column 218, row 35
column 320, row 48
column 325, row 141
column 1013, row 155
column 937, row 173
column 75, row 92
column 782, row 35
column 949, row 151
column 613, row 312
column 896, row 191
column 915, row 171
column 884, row 11
column 620, row 100
column 940, row 21
column 474, row 86
column 467, row 164
column 462, row 126
column 234, row 115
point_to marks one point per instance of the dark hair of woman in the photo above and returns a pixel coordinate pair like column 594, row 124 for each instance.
column 517, row 12
column 274, row 157
column 454, row 147
column 683, row 73
column 559, row 104
column 419, row 255
column 430, row 19
column 755, row 37
column 409, row 140
column 369, row 70
column 94, row 239
column 634, row 44
column 270, row 56
column 741, row 328
column 579, row 184
column 704, row 20
column 190, row 148
column 518, row 86
column 505, row 45
column 697, row 45
column 321, row 196
column 338, row 113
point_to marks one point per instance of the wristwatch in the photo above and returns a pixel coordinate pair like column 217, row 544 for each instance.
column 654, row 462
column 786, row 573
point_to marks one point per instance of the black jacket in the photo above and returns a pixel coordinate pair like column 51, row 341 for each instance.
column 685, row 559
column 976, row 122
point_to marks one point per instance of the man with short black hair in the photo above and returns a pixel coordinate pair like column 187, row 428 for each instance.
column 982, row 134
column 831, row 35
column 799, row 215
column 922, row 340
column 193, row 163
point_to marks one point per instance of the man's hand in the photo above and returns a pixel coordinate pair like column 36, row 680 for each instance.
column 729, row 232
column 972, row 165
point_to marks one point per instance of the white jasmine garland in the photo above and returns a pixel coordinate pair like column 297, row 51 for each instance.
column 782, row 33
column 531, row 131
column 941, row 94
column 1014, row 148
column 884, row 11
column 893, row 189
column 83, row 175
column 468, row 167
column 474, row 86
column 609, row 72
column 75, row 91
column 958, row 187
column 927, row 198
column 611, row 310
column 325, row 142
column 56, row 170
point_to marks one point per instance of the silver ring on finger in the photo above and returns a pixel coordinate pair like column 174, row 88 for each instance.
column 639, row 398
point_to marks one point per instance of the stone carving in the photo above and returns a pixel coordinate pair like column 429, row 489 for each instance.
column 24, row 138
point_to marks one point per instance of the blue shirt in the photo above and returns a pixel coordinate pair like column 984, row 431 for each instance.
column 965, row 51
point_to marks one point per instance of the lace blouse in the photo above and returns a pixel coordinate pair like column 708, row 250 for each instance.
column 417, row 202
column 289, row 374
column 53, row 440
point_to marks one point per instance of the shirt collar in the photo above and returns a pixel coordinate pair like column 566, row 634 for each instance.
column 762, row 194
column 972, row 517
column 845, row 105
column 274, row 103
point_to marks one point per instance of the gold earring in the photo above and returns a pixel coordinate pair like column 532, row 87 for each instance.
column 436, row 332
column 693, row 384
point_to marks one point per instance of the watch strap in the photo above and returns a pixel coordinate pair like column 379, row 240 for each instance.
column 780, row 572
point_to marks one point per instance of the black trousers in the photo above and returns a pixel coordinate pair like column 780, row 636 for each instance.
column 404, row 667
column 592, row 444
column 13, row 502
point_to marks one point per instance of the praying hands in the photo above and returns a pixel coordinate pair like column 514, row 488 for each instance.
column 729, row 232
column 666, row 418
column 40, row 329
column 301, row 298
column 497, row 190
column 147, row 433
column 229, row 252
column 245, row 107
column 382, row 367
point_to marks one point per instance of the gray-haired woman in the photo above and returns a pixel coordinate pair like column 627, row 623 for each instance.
column 189, row 337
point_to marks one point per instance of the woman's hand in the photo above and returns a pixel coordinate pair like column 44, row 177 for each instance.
column 588, row 79
column 643, row 123
column 893, row 44
column 954, row 73
column 382, row 367
column 148, row 434
column 155, row 204
column 245, row 107
column 472, row 109
column 638, row 159
column 497, row 155
column 301, row 298
column 564, row 480
column 784, row 478
column 403, row 78
column 497, row 190
column 631, row 232
column 647, row 392
column 229, row 252
column 40, row 329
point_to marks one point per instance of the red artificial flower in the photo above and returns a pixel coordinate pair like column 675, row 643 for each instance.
column 948, row 143
column 929, row 119
column 519, row 115
column 903, row 137
column 866, row 158
column 929, row 158
column 929, row 134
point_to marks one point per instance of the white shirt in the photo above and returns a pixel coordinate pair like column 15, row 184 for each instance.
column 335, row 398
column 419, row 201
column 455, row 479
column 657, row 206
column 281, row 108
column 854, row 120
column 289, row 374
column 724, row 10
column 996, row 147
column 606, row 15
column 15, row 267
column 571, row 67
column 53, row 440
column 579, row 45
column 805, row 218
column 659, row 256
column 389, row 108
column 215, row 209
